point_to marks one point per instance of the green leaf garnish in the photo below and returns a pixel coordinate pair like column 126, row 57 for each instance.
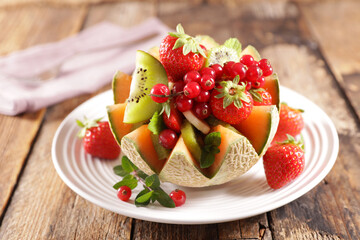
column 152, row 181
column 144, row 198
column 212, row 142
column 128, row 180
column 156, row 124
column 118, row 170
column 127, row 165
column 164, row 199
column 142, row 193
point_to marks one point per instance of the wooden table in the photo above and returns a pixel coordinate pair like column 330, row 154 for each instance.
column 313, row 45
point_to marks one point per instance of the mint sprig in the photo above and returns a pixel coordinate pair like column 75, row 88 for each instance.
column 212, row 142
column 156, row 124
column 152, row 191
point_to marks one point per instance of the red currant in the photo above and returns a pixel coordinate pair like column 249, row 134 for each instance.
column 178, row 87
column 203, row 96
column 207, row 82
column 192, row 89
column 183, row 103
column 124, row 193
column 248, row 86
column 178, row 196
column 208, row 71
column 253, row 73
column 259, row 82
column 202, row 110
column 218, row 71
column 238, row 69
column 162, row 90
column 247, row 60
column 227, row 68
column 168, row 138
column 192, row 76
column 265, row 66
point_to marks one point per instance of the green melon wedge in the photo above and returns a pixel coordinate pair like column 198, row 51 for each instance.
column 148, row 72
column 260, row 127
column 250, row 50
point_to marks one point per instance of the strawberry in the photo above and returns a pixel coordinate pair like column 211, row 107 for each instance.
column 174, row 120
column 98, row 139
column 230, row 102
column 181, row 53
column 291, row 122
column 283, row 162
column 261, row 97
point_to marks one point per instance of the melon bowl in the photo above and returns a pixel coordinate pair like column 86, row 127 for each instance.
column 241, row 147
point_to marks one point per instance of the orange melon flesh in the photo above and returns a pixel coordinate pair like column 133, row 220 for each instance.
column 272, row 86
column 227, row 137
column 116, row 116
column 256, row 128
column 141, row 139
column 121, row 87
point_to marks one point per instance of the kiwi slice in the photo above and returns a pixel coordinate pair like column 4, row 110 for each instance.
column 148, row 72
column 161, row 152
column 229, row 51
column 191, row 140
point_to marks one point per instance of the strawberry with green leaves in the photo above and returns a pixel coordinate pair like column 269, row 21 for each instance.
column 283, row 162
column 291, row 122
column 98, row 139
column 261, row 97
column 181, row 53
column 231, row 102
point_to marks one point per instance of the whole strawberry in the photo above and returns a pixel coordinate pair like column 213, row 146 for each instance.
column 283, row 162
column 230, row 102
column 261, row 97
column 98, row 139
column 181, row 53
column 291, row 122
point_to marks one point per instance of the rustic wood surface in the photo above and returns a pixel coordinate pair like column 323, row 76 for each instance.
column 315, row 52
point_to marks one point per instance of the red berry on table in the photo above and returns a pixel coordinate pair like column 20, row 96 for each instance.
column 218, row 71
column 208, row 71
column 98, row 139
column 238, row 69
column 207, row 82
column 265, row 66
column 178, row 87
column 230, row 102
column 192, row 89
column 203, row 96
column 178, row 196
column 261, row 98
column 291, row 122
column 202, row 110
column 168, row 138
column 253, row 73
column 183, row 103
column 173, row 121
column 124, row 193
column 247, row 60
column 180, row 53
column 283, row 162
column 227, row 68
column 258, row 83
column 162, row 91
column 192, row 76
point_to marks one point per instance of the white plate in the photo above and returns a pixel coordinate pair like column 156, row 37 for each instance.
column 247, row 196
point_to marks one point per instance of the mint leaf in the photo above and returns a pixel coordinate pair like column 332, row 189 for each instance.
column 207, row 159
column 156, row 124
column 127, row 165
column 118, row 170
column 141, row 174
column 164, row 199
column 128, row 180
column 213, row 139
column 212, row 142
column 144, row 198
column 152, row 181
column 234, row 44
column 142, row 204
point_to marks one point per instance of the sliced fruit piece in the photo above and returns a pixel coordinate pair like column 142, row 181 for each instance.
column 148, row 72
column 139, row 148
column 199, row 124
column 161, row 152
column 116, row 116
column 207, row 41
column 175, row 119
column 121, row 87
column 260, row 127
column 235, row 158
column 191, row 140
column 213, row 122
column 154, row 51
column 250, row 50
column 272, row 86
column 182, row 169
column 221, row 55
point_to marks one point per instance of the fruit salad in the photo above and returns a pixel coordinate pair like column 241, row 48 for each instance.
column 198, row 113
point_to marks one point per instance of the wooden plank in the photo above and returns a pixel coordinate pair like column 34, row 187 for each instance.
column 18, row 133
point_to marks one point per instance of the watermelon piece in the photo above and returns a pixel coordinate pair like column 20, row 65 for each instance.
column 139, row 148
column 260, row 127
column 121, row 87
column 272, row 86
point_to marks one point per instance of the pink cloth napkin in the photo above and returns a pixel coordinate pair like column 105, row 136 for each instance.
column 88, row 61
